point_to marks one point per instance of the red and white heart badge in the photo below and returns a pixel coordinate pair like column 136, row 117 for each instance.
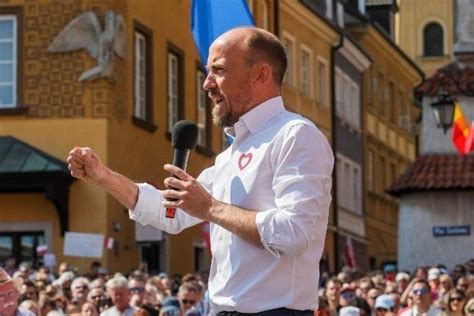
column 244, row 160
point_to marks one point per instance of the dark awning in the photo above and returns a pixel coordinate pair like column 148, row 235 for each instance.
column 26, row 169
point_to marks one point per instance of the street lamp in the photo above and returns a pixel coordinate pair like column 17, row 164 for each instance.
column 443, row 111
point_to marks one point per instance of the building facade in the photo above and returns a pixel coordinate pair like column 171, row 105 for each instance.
column 388, row 130
column 424, row 29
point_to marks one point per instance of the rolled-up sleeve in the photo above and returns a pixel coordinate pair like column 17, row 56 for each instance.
column 303, row 161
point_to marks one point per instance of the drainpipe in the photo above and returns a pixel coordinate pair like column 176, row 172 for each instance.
column 276, row 18
column 334, row 143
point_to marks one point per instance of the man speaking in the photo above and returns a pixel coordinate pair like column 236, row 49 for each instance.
column 267, row 196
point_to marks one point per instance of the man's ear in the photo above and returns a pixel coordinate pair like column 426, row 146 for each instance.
column 264, row 74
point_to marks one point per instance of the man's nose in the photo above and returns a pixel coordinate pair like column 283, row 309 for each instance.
column 209, row 83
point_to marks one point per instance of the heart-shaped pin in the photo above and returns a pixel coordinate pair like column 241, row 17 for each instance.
column 244, row 160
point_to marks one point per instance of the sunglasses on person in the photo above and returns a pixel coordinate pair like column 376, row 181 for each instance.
column 456, row 298
column 83, row 287
column 420, row 292
column 137, row 289
column 185, row 302
column 381, row 309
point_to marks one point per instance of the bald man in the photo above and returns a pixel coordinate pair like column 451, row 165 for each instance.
column 267, row 196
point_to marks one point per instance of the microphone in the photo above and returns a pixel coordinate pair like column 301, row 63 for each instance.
column 184, row 136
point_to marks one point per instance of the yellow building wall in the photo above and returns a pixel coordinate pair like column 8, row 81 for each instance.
column 413, row 16
column 87, row 205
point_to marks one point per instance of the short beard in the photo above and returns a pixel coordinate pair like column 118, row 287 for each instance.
column 227, row 120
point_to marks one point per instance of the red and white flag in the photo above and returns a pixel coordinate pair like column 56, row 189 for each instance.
column 349, row 252
column 42, row 250
column 109, row 242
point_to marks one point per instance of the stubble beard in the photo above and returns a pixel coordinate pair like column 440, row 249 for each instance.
column 225, row 114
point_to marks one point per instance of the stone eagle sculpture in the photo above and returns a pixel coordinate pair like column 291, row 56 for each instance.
column 85, row 32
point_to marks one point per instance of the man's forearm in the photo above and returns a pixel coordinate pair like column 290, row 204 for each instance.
column 121, row 188
column 236, row 220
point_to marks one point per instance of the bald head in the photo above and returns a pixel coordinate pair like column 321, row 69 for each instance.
column 258, row 46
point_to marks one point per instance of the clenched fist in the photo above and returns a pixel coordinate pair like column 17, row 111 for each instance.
column 86, row 165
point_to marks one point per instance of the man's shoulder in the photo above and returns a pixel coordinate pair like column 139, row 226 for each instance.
column 109, row 311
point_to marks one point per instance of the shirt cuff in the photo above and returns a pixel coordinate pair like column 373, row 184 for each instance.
column 271, row 240
column 148, row 204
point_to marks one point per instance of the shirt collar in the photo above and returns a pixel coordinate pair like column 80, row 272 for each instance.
column 256, row 118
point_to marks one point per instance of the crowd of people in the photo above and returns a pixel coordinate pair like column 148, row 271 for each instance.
column 427, row 291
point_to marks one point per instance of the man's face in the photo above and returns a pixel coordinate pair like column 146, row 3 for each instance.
column 80, row 290
column 228, row 81
column 29, row 292
column 188, row 299
column 120, row 297
column 8, row 299
column 137, row 291
column 421, row 294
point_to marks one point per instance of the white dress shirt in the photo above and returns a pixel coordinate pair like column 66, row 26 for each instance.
column 278, row 165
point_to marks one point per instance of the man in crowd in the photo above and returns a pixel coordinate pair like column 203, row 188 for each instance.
column 79, row 290
column 267, row 196
column 188, row 296
column 9, row 294
column 117, row 289
column 136, row 286
column 422, row 301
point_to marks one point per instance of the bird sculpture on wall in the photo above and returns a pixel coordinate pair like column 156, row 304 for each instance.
column 85, row 32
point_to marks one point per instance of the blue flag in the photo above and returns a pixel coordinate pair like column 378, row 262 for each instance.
column 211, row 18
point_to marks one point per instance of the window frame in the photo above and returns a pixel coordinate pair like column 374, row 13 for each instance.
column 424, row 39
column 304, row 49
column 179, row 55
column 323, row 85
column 201, row 95
column 17, row 107
column 289, row 77
column 145, row 120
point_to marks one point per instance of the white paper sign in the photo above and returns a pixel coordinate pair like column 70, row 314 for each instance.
column 49, row 260
column 83, row 245
column 147, row 233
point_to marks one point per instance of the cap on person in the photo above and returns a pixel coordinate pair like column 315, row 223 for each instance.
column 384, row 301
column 402, row 276
column 433, row 274
column 170, row 311
column 349, row 311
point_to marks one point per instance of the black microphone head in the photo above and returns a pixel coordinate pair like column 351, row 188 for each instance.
column 184, row 135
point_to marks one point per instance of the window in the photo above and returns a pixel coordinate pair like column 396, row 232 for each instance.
column 305, row 75
column 322, row 83
column 391, row 100
column 143, row 82
column 433, row 40
column 265, row 23
column 349, row 183
column 174, row 88
column 288, row 43
column 381, row 93
column 8, row 61
column 21, row 246
column 370, row 170
column 348, row 105
column 202, row 111
column 382, row 171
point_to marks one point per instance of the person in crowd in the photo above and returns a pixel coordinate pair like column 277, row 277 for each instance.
column 384, row 304
column 30, row 305
column 346, row 295
column 96, row 295
column 469, row 308
column 79, row 290
column 433, row 281
column 332, row 293
column 349, row 311
column 89, row 309
column 422, row 300
column 46, row 304
column 117, row 289
column 28, row 291
column 136, row 285
column 462, row 283
column 9, row 294
column 188, row 295
column 372, row 296
column 364, row 286
column 456, row 302
column 458, row 271
column 10, row 266
column 402, row 279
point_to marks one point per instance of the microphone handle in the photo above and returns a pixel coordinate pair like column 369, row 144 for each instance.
column 180, row 159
